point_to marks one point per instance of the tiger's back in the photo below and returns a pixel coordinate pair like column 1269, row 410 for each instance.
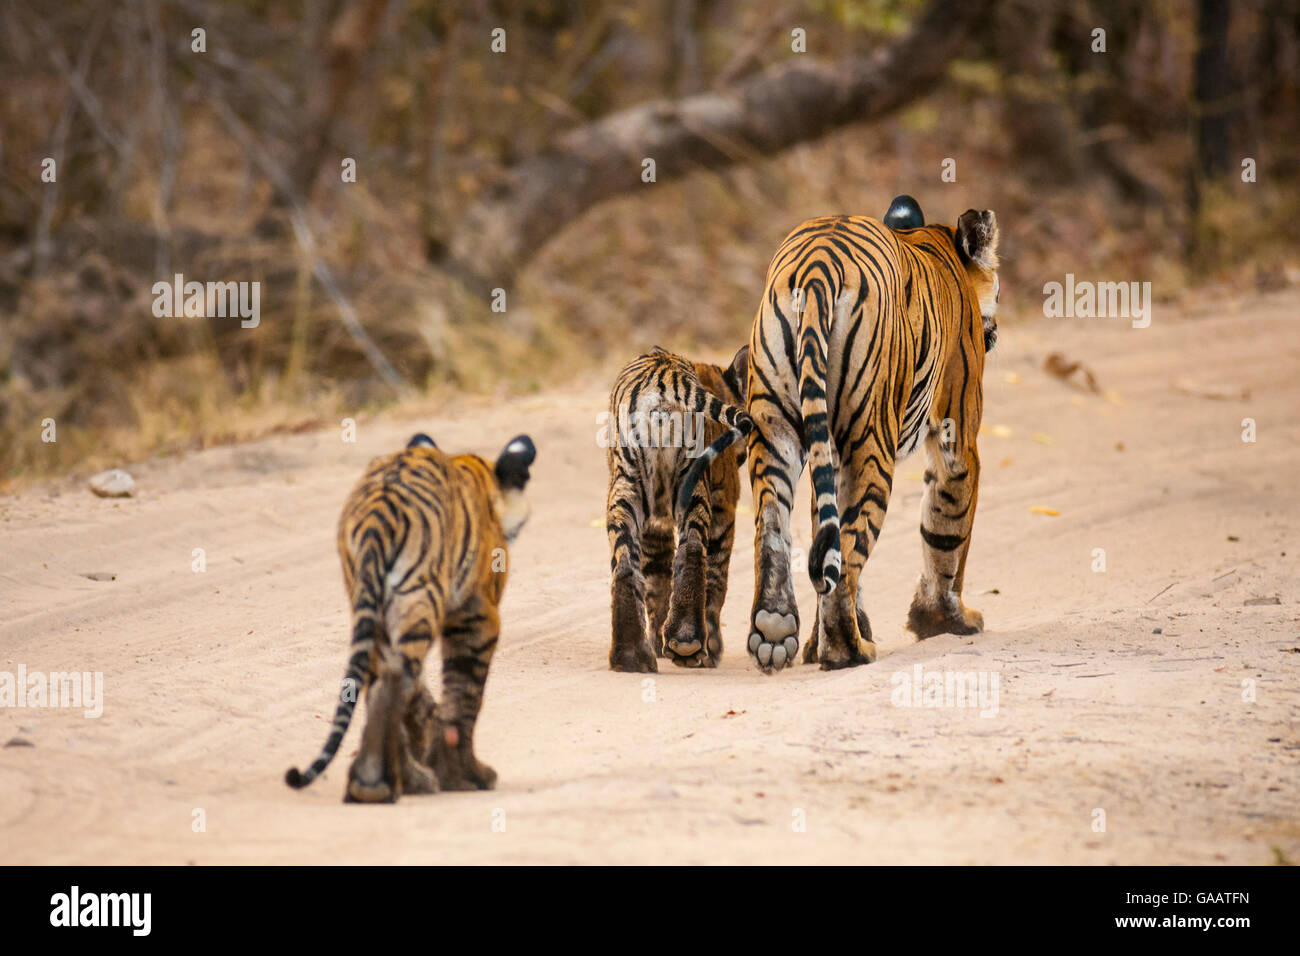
column 665, row 410
column 419, row 523
column 894, row 315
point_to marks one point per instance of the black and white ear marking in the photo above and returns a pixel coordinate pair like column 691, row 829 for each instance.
column 512, row 466
column 737, row 374
column 977, row 238
column 904, row 213
column 421, row 440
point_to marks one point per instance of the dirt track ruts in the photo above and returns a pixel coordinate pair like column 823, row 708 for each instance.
column 215, row 683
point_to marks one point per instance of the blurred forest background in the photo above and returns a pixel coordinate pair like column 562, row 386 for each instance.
column 522, row 170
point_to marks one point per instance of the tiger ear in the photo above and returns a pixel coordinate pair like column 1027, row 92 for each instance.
column 737, row 375
column 420, row 440
column 977, row 238
column 904, row 213
column 512, row 466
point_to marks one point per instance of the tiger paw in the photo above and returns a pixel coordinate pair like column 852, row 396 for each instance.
column 924, row 619
column 851, row 650
column 417, row 778
column 863, row 652
column 773, row 640
column 714, row 645
column 636, row 658
column 686, row 645
column 456, row 766
column 698, row 658
column 472, row 774
column 364, row 787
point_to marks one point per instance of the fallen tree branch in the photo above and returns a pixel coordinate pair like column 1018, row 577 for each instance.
column 765, row 114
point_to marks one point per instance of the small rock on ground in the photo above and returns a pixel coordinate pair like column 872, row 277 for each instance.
column 114, row 483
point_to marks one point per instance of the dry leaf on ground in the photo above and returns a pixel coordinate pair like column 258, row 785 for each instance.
column 1058, row 365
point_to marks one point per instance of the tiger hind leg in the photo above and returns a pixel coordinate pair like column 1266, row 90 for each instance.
column 384, row 766
column 811, row 653
column 775, row 461
column 722, row 534
column 629, row 648
column 810, row 648
column 388, row 763
column 843, row 631
column 419, row 727
column 657, row 550
column 686, row 632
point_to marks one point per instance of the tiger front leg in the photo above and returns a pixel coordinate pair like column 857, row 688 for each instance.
column 947, row 517
column 467, row 648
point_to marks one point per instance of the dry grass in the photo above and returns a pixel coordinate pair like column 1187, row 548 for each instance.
column 677, row 263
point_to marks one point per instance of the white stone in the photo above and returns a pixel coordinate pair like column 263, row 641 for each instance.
column 114, row 483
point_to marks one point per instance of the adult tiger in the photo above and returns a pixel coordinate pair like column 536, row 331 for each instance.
column 422, row 539
column 869, row 342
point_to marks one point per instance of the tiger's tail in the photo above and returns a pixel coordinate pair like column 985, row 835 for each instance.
column 824, row 559
column 738, row 424
column 365, row 631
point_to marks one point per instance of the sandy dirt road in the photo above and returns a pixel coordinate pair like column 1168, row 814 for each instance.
column 1127, row 690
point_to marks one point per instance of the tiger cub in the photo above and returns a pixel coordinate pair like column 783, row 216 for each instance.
column 422, row 539
column 669, row 551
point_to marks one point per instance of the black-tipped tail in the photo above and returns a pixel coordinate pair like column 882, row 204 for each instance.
column 824, row 559
column 363, row 641
column 728, row 438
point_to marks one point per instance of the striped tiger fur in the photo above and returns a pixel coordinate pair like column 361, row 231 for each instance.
column 669, row 551
column 869, row 342
column 423, row 542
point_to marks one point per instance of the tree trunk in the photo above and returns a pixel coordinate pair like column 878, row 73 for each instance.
column 1212, row 89
column 793, row 102
column 350, row 39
